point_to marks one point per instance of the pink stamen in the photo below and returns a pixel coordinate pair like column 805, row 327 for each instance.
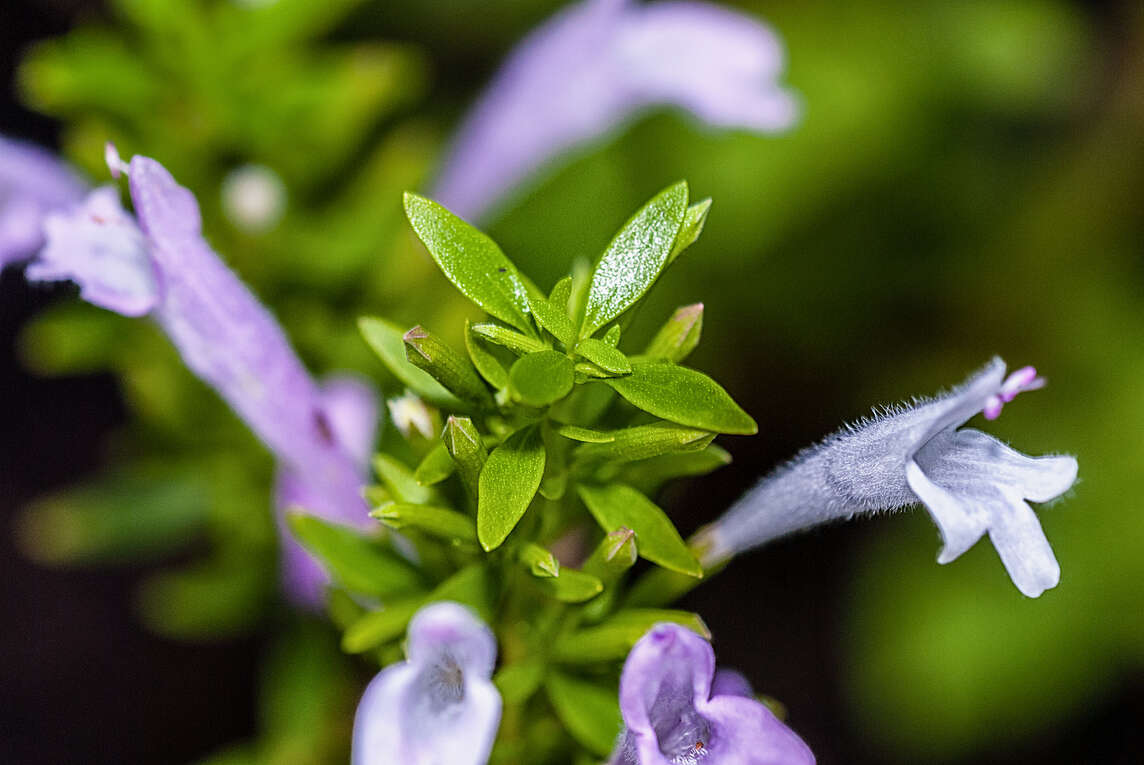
column 1020, row 381
column 116, row 165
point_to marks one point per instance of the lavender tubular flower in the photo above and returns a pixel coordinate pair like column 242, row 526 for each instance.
column 159, row 264
column 33, row 183
column 675, row 714
column 970, row 482
column 439, row 707
column 597, row 63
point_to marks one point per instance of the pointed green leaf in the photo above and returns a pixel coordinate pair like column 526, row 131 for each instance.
column 541, row 562
column 586, row 435
column 612, row 336
column 604, row 356
column 485, row 362
column 615, row 554
column 508, row 483
column 552, row 318
column 435, row 467
column 471, row 260
column 439, row 522
column 648, row 475
column 692, row 227
column 588, row 710
column 381, row 626
column 617, row 506
column 360, row 564
column 385, row 338
column 451, row 369
column 561, row 291
column 572, row 586
column 678, row 336
column 463, row 442
column 644, row 441
column 517, row 682
column 514, row 341
column 613, row 639
column 682, row 395
column 635, row 257
column 399, row 480
column 541, row 378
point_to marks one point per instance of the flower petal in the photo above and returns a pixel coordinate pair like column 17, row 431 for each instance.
column 728, row 682
column 99, row 247
column 591, row 67
column 1023, row 547
column 33, row 183
column 959, row 523
column 439, row 707
column 1039, row 479
column 745, row 732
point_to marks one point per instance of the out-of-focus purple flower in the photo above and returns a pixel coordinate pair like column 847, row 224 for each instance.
column 33, row 183
column 970, row 482
column 350, row 407
column 597, row 63
column 673, row 714
column 159, row 264
column 99, row 246
column 439, row 706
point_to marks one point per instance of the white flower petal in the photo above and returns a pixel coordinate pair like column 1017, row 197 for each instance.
column 1023, row 547
column 960, row 525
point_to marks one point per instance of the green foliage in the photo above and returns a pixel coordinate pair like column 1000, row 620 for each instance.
column 530, row 507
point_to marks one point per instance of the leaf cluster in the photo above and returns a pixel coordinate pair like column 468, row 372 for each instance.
column 534, row 502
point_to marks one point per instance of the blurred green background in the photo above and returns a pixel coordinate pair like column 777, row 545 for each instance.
column 967, row 179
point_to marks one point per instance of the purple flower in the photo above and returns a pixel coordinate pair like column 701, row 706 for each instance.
column 599, row 62
column 159, row 264
column 33, row 182
column 677, row 710
column 970, row 482
column 439, row 706
column 350, row 407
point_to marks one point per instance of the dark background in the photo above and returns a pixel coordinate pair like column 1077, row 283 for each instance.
column 81, row 681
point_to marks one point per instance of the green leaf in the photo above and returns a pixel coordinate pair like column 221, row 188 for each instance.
column 514, row 341
column 386, row 340
column 553, row 318
column 589, row 711
column 435, row 467
column 585, row 435
column 440, row 522
column 617, row 506
column 448, row 367
column 471, row 260
column 472, row 586
column 541, row 562
column 604, row 356
column 541, row 378
column 399, row 480
column 517, row 682
column 142, row 515
column 463, row 442
column 486, row 363
column 613, row 639
column 360, row 564
column 508, row 483
column 644, row 441
column 561, row 291
column 381, row 626
column 572, row 586
column 682, row 395
column 693, row 222
column 678, row 336
column 615, row 554
column 635, row 257
column 612, row 336
column 648, row 475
